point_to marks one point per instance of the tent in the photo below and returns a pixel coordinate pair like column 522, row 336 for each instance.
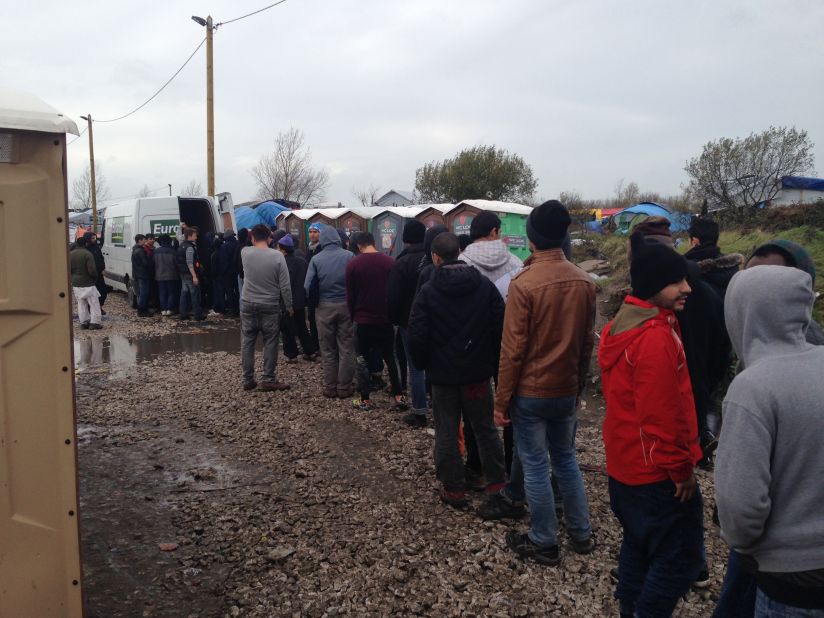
column 248, row 218
column 269, row 211
column 628, row 218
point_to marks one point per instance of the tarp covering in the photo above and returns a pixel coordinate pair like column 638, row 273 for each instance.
column 803, row 183
column 268, row 212
column 628, row 218
column 248, row 218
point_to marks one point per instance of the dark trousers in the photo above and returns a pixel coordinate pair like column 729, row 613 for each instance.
column 313, row 328
column 190, row 298
column 473, row 459
column 293, row 328
column 737, row 598
column 662, row 549
column 231, row 294
column 144, row 287
column 474, row 402
column 101, row 286
column 380, row 337
column 169, row 295
column 400, row 356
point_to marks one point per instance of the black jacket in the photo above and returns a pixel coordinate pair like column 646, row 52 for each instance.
column 226, row 257
column 716, row 269
column 297, row 276
column 141, row 269
column 99, row 260
column 455, row 326
column 403, row 283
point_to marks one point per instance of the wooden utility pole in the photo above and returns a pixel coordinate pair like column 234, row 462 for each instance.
column 210, row 110
column 92, row 179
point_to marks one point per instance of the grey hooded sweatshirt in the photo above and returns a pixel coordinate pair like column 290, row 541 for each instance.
column 329, row 268
column 769, row 468
column 494, row 261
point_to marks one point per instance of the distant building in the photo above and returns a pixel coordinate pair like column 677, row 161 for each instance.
column 395, row 198
column 799, row 190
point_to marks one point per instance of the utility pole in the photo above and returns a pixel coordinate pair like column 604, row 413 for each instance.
column 210, row 109
column 93, row 180
column 170, row 190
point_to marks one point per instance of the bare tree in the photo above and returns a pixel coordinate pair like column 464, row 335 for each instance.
column 741, row 174
column 194, row 188
column 287, row 172
column 367, row 197
column 82, row 189
column 145, row 192
column 626, row 195
column 571, row 199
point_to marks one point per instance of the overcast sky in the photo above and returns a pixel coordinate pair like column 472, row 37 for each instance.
column 588, row 92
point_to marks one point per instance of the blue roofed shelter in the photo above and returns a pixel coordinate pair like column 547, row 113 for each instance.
column 628, row 218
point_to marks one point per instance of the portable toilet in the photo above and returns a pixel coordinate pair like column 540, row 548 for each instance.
column 40, row 555
column 387, row 227
column 459, row 219
column 513, row 222
column 354, row 220
column 327, row 216
column 280, row 220
column 295, row 223
column 433, row 214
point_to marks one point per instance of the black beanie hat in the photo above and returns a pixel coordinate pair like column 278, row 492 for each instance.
column 413, row 232
column 547, row 225
column 654, row 266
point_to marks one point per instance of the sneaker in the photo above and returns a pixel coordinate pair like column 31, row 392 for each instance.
column 400, row 403
column 273, row 386
column 455, row 499
column 144, row 314
column 249, row 386
column 474, row 480
column 522, row 545
column 95, row 327
column 499, row 506
column 703, row 579
column 583, row 547
column 415, row 420
column 363, row 405
column 84, row 325
column 709, row 443
column 102, row 311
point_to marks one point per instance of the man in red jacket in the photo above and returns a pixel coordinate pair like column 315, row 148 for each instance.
column 651, row 436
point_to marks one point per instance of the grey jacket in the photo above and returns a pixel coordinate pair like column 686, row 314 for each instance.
column 329, row 268
column 769, row 468
column 165, row 263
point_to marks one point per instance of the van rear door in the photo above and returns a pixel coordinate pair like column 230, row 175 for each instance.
column 226, row 210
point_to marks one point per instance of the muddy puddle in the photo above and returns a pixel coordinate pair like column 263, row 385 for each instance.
column 116, row 354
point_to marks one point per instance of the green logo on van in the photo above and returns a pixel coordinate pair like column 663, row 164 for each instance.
column 164, row 226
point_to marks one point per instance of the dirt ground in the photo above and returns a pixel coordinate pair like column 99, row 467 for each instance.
column 289, row 504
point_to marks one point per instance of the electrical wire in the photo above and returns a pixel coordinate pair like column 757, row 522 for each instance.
column 79, row 135
column 223, row 23
column 142, row 105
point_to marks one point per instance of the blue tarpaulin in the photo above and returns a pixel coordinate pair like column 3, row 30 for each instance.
column 629, row 217
column 268, row 211
column 246, row 217
column 802, row 183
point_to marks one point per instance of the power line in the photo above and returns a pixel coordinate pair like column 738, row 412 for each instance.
column 223, row 23
column 142, row 105
column 79, row 135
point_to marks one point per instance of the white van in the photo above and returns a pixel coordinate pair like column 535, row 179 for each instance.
column 157, row 215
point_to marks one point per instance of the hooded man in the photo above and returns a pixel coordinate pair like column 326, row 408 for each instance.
column 454, row 335
column 315, row 244
column 545, row 354
column 225, row 274
column 327, row 270
column 403, row 281
column 141, row 275
column 716, row 269
column 769, row 468
column 489, row 254
column 651, row 436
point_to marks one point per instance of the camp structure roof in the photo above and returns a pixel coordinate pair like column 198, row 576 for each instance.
column 495, row 206
column 629, row 217
column 332, row 213
column 24, row 111
column 802, row 182
column 407, row 212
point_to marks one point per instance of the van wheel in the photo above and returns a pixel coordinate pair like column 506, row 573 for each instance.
column 130, row 294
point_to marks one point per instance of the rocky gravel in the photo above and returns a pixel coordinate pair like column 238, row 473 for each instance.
column 289, row 504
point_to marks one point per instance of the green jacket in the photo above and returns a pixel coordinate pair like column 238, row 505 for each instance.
column 84, row 272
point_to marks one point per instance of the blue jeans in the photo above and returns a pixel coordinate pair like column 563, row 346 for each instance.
column 737, row 598
column 417, row 379
column 765, row 607
column 190, row 298
column 661, row 552
column 542, row 425
column 144, row 288
column 167, row 290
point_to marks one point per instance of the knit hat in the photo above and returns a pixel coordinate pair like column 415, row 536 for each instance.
column 547, row 225
column 655, row 228
column 413, row 232
column 316, row 226
column 799, row 256
column 286, row 241
column 654, row 266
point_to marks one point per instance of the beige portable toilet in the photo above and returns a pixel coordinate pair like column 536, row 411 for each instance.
column 39, row 544
column 433, row 214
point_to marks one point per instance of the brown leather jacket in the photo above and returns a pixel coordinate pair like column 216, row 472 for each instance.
column 548, row 330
